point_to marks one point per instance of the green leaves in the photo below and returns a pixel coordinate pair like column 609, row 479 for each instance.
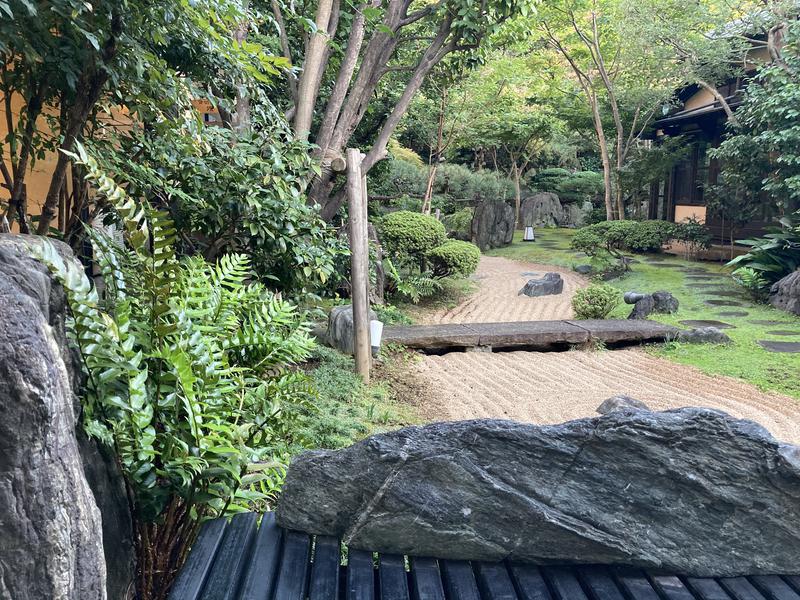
column 189, row 364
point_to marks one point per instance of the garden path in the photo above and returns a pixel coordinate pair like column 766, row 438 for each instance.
column 499, row 280
column 551, row 387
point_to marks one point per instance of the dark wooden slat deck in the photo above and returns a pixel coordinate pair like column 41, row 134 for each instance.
column 536, row 335
column 244, row 560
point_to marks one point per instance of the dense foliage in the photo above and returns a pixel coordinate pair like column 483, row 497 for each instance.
column 454, row 258
column 615, row 236
column 188, row 377
column 570, row 186
column 459, row 224
column 771, row 257
column 596, row 301
column 233, row 192
column 453, row 185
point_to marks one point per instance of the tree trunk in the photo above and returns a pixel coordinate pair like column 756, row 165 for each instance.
column 241, row 118
column 604, row 157
column 517, row 192
column 315, row 54
column 434, row 156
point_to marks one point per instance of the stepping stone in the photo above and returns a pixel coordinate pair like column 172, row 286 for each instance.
column 707, row 286
column 707, row 323
column 666, row 265
column 783, row 332
column 732, row 313
column 722, row 303
column 791, row 347
column 767, row 322
column 656, row 258
column 695, row 270
column 724, row 293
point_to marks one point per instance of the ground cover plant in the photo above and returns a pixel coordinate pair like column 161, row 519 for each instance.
column 744, row 359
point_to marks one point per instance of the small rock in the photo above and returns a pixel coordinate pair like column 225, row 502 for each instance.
column 620, row 402
column 340, row 331
column 583, row 269
column 703, row 335
column 548, row 285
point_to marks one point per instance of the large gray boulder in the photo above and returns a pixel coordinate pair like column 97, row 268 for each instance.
column 50, row 525
column 492, row 225
column 690, row 490
column 646, row 304
column 341, row 332
column 574, row 214
column 785, row 293
column 542, row 209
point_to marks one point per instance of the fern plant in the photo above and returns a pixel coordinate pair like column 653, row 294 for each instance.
column 189, row 377
column 413, row 287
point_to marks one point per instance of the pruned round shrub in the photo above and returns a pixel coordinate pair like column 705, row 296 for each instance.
column 410, row 235
column 595, row 301
column 454, row 257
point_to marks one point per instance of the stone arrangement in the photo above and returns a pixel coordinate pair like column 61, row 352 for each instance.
column 691, row 490
column 646, row 304
column 548, row 285
column 492, row 225
column 545, row 209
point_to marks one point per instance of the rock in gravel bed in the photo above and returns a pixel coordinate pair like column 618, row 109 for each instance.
column 691, row 490
column 549, row 285
column 620, row 402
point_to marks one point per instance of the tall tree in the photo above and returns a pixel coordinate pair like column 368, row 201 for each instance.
column 612, row 78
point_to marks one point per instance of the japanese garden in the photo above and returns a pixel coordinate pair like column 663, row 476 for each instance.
column 400, row 299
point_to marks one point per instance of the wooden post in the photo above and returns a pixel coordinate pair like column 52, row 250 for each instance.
column 359, row 261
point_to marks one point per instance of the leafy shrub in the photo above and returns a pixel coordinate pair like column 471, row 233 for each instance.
column 399, row 152
column 454, row 258
column 408, row 236
column 693, row 235
column 595, row 301
column 459, row 224
column 598, row 215
column 648, row 236
column 188, row 376
column 776, row 254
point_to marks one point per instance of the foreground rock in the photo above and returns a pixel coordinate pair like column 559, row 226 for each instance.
column 692, row 490
column 340, row 333
column 492, row 225
column 548, row 285
column 52, row 538
column 785, row 293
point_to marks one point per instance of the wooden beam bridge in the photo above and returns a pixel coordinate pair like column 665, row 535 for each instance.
column 531, row 335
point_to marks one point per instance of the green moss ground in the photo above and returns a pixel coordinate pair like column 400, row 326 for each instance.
column 743, row 359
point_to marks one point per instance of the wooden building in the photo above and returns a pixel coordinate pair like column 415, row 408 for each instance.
column 701, row 120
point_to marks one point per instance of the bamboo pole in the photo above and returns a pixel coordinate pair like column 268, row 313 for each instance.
column 359, row 261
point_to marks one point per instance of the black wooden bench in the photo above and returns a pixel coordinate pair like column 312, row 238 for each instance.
column 240, row 560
